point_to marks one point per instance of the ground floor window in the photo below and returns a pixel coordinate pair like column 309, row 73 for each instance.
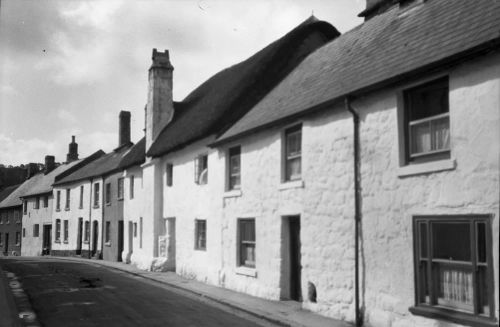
column 453, row 268
column 36, row 230
column 66, row 234
column 18, row 238
column 87, row 231
column 58, row 230
column 200, row 234
column 246, row 243
column 108, row 232
column 135, row 229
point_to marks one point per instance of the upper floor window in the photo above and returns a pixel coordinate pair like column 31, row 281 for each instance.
column 68, row 198
column 37, row 203
column 58, row 230
column 427, row 121
column 16, row 216
column 119, row 189
column 96, row 195
column 234, row 169
column 293, row 153
column 45, row 201
column 169, row 170
column 58, row 200
column 25, row 207
column 108, row 193
column 81, row 197
column 131, row 188
column 454, row 268
column 201, row 169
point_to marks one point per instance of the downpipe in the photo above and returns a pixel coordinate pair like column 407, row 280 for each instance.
column 357, row 209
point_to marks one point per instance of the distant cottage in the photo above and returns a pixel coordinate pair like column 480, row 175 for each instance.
column 356, row 174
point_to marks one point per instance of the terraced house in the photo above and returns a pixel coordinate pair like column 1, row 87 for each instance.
column 10, row 220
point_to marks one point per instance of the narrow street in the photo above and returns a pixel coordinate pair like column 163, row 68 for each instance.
column 73, row 294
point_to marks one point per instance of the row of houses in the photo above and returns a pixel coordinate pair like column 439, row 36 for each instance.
column 357, row 174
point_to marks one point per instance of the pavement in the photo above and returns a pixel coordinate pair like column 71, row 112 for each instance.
column 284, row 313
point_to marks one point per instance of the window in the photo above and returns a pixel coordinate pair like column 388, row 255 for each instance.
column 293, row 153
column 200, row 242
column 140, row 231
column 1, row 217
column 108, row 193
column 25, row 207
column 36, row 230
column 246, row 230
column 1, row 240
column 120, row 188
column 7, row 216
column 58, row 230
column 170, row 173
column 108, row 232
column 135, row 229
column 24, row 232
column 201, row 169
column 46, row 201
column 68, row 197
column 37, row 202
column 453, row 268
column 87, row 231
column 65, row 231
column 96, row 195
column 234, row 171
column 18, row 238
column 16, row 217
column 81, row 197
column 427, row 122
column 132, row 186
column 58, row 200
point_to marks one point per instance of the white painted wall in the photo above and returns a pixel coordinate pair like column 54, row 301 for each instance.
column 32, row 246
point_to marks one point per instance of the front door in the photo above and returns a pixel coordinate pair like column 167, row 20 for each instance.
column 6, row 243
column 47, row 239
column 120, row 239
column 295, row 265
column 95, row 235
column 79, row 237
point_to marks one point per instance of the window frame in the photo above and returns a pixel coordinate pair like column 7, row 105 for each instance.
column 288, row 158
column 433, row 309
column 86, row 231
column 58, row 200
column 46, row 201
column 197, row 224
column 107, row 232
column 36, row 230
column 37, row 203
column 96, row 194
column 68, row 199
column 131, row 186
column 25, row 208
column 18, row 238
column 65, row 231
column 57, row 231
column 80, row 205
column 120, row 188
column 241, row 262
column 234, row 151
column 169, row 174
column 107, row 193
column 200, row 169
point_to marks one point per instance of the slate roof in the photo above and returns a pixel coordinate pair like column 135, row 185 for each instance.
column 385, row 49
column 226, row 96
column 109, row 163
column 13, row 199
column 6, row 191
column 135, row 156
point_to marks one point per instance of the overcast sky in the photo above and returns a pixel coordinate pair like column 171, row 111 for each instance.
column 69, row 67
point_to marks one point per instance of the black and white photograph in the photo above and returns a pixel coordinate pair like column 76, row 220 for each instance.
column 249, row 163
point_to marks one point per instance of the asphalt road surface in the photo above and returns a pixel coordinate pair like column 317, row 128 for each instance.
column 64, row 293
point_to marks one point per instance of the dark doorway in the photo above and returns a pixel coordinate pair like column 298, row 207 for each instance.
column 295, row 265
column 95, row 235
column 79, row 237
column 6, row 251
column 120, row 239
column 47, row 239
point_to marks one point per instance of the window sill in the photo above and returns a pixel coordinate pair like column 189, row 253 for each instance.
column 120, row 199
column 65, row 242
column 291, row 184
column 85, row 242
column 426, row 168
column 96, row 207
column 452, row 316
column 107, row 243
column 80, row 207
column 57, row 210
column 201, row 249
column 108, row 204
column 66, row 209
column 246, row 271
column 56, row 241
column 232, row 194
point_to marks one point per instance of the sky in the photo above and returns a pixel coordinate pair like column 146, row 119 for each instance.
column 69, row 67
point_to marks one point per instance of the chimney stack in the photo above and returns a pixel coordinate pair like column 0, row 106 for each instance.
column 160, row 107
column 72, row 150
column 50, row 164
column 124, row 128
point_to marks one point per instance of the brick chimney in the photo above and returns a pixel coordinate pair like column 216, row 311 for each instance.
column 160, row 107
column 72, row 150
column 124, row 128
column 50, row 164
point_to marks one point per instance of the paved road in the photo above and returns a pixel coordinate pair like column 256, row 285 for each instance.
column 73, row 294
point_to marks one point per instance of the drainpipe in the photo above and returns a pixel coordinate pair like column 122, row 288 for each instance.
column 357, row 207
column 90, row 219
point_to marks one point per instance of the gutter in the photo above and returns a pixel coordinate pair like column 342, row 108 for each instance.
column 357, row 208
